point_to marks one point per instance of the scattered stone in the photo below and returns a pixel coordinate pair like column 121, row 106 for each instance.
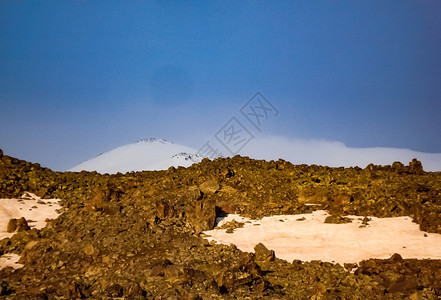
column 365, row 221
column 301, row 219
column 231, row 225
column 337, row 219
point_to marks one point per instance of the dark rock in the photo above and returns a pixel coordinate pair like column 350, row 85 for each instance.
column 22, row 224
column 115, row 290
column 1, row 153
column 263, row 254
column 12, row 225
column 398, row 167
column 5, row 289
column 416, row 167
column 163, row 209
column 396, row 257
column 337, row 220
column 202, row 214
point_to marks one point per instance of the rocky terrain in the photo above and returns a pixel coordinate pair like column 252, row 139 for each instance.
column 138, row 235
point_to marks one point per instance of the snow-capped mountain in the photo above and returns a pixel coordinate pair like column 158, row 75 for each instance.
column 146, row 154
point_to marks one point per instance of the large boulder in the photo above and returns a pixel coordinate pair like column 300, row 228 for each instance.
column 1, row 153
column 416, row 167
column 201, row 214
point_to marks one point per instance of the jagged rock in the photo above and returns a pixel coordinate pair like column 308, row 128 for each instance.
column 1, row 153
column 22, row 224
column 263, row 254
column 416, row 167
column 201, row 213
column 398, row 167
column 163, row 209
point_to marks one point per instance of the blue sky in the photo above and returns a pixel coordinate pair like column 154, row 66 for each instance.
column 81, row 77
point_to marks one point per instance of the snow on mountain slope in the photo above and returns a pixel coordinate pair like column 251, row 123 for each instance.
column 147, row 154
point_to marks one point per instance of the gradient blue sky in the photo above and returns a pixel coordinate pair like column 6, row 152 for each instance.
column 81, row 77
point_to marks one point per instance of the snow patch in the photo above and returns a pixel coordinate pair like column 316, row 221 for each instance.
column 307, row 237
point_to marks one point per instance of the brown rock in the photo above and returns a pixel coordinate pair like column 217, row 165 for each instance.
column 396, row 257
column 12, row 225
column 398, row 167
column 163, row 209
column 22, row 224
column 202, row 215
column 1, row 153
column 416, row 167
column 227, row 207
column 263, row 254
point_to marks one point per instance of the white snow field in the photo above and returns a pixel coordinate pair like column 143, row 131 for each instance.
column 145, row 155
column 292, row 237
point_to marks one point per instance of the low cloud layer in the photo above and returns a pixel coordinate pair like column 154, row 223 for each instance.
column 334, row 154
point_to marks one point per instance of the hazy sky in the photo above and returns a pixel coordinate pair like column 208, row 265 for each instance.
column 81, row 77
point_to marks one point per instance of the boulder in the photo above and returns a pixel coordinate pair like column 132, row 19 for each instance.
column 263, row 254
column 12, row 225
column 202, row 214
column 416, row 167
column 22, row 224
